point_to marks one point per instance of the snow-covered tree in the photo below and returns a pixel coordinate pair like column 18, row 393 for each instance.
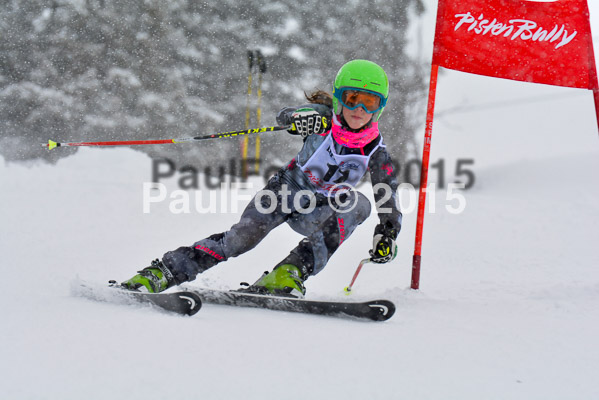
column 75, row 70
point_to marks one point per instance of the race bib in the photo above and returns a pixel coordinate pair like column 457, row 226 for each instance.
column 330, row 172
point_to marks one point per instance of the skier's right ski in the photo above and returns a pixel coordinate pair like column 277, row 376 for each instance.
column 185, row 303
column 182, row 302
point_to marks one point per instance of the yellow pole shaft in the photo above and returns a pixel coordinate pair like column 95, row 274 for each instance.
column 258, row 122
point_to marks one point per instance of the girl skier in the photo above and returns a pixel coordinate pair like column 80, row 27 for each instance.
column 313, row 194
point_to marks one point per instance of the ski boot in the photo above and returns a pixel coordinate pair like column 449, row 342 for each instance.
column 155, row 279
column 285, row 280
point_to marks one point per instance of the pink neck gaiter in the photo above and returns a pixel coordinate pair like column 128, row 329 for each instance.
column 354, row 140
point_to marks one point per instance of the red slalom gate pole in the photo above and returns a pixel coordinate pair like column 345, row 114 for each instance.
column 593, row 77
column 428, row 133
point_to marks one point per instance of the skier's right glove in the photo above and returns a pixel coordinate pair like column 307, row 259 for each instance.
column 307, row 121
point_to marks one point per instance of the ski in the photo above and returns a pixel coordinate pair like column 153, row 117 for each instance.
column 189, row 301
column 374, row 310
column 184, row 303
column 180, row 302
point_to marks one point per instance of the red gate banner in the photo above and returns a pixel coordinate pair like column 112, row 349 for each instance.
column 523, row 40
column 546, row 42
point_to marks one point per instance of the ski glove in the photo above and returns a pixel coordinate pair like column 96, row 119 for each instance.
column 383, row 250
column 307, row 121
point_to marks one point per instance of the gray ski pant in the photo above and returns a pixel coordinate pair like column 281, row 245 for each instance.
column 325, row 225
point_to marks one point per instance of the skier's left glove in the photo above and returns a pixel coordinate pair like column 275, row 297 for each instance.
column 307, row 121
column 384, row 249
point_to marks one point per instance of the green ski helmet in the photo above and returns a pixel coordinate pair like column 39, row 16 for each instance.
column 365, row 76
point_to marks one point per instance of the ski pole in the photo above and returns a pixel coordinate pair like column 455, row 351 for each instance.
column 261, row 70
column 348, row 288
column 249, row 93
column 221, row 135
column 245, row 141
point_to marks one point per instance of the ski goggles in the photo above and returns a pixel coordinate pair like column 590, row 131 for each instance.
column 352, row 98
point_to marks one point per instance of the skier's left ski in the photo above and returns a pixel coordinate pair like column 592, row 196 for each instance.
column 373, row 310
column 182, row 302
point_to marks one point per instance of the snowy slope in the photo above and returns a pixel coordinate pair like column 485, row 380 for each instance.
column 508, row 306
